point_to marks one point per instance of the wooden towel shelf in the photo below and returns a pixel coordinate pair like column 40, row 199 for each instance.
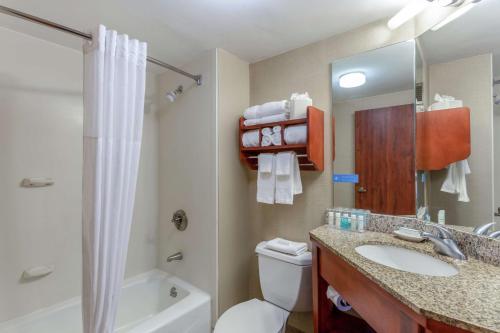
column 443, row 137
column 311, row 154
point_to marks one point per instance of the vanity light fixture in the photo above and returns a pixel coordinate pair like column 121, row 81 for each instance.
column 352, row 80
column 411, row 10
column 456, row 14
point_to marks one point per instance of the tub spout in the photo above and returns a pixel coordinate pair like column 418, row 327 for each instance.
column 175, row 256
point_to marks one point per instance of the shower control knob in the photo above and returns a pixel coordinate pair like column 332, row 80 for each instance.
column 180, row 220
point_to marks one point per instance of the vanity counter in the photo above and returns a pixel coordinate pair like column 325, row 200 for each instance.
column 469, row 300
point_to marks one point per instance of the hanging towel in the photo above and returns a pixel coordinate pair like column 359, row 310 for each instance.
column 286, row 246
column 266, row 120
column 266, row 178
column 288, row 182
column 296, row 135
column 250, row 139
column 455, row 181
column 267, row 109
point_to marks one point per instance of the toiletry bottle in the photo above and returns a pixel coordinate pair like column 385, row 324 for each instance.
column 361, row 223
column 354, row 220
column 345, row 223
column 337, row 220
column 331, row 219
column 441, row 216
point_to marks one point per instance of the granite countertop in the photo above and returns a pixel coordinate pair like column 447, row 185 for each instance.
column 469, row 300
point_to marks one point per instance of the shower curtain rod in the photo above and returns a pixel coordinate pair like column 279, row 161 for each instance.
column 60, row 27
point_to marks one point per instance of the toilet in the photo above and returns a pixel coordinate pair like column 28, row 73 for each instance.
column 286, row 285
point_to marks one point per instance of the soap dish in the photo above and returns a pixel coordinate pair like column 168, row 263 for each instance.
column 408, row 234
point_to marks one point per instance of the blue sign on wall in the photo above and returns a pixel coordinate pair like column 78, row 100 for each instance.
column 345, row 178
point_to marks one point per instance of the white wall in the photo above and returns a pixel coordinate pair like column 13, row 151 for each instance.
column 343, row 112
column 41, row 136
column 188, row 175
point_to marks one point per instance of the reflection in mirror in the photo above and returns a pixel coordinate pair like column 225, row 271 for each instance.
column 373, row 106
column 458, row 155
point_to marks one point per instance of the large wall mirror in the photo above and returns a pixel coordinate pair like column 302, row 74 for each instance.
column 418, row 124
column 460, row 98
column 373, row 106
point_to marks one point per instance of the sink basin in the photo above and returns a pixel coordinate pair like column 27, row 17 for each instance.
column 406, row 260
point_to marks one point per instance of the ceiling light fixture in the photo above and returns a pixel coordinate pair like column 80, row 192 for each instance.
column 456, row 14
column 411, row 10
column 352, row 80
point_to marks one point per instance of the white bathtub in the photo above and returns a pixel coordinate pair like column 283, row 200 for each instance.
column 146, row 306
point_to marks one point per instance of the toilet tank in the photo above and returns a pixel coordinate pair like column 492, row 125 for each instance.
column 285, row 280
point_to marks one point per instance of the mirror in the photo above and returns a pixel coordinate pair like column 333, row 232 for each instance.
column 418, row 124
column 373, row 106
column 459, row 81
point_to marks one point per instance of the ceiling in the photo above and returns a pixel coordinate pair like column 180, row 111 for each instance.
column 477, row 32
column 178, row 30
column 388, row 70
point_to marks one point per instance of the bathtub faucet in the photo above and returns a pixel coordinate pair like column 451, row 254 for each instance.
column 175, row 256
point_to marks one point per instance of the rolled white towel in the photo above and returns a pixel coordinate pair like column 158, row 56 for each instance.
column 267, row 109
column 250, row 138
column 266, row 141
column 269, row 119
column 296, row 135
column 286, row 246
column 276, row 139
column 267, row 131
column 277, row 129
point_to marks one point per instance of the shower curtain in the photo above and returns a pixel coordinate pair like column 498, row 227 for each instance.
column 114, row 88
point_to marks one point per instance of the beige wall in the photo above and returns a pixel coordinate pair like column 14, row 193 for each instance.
column 235, row 249
column 41, row 136
column 468, row 79
column 188, row 174
column 306, row 69
column 345, row 134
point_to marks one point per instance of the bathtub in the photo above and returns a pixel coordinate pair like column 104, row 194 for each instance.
column 148, row 305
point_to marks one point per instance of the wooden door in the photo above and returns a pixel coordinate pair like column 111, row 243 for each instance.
column 385, row 160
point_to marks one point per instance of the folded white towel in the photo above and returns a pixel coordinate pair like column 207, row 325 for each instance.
column 266, row 178
column 455, row 181
column 296, row 135
column 267, row 109
column 267, row 140
column 286, row 246
column 250, row 138
column 276, row 139
column 266, row 120
column 288, row 182
column 267, row 131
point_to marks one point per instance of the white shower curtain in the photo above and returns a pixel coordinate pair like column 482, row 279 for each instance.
column 114, row 87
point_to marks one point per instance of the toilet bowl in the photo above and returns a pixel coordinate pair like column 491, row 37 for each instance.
column 286, row 286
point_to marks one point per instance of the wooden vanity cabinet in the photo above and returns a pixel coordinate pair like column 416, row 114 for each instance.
column 382, row 311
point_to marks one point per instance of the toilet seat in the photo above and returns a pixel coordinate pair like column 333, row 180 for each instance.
column 254, row 316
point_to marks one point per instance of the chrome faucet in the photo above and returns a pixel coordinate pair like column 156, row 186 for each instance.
column 444, row 243
column 175, row 256
column 495, row 234
column 483, row 229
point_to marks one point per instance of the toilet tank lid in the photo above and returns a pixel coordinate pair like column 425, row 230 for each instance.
column 304, row 259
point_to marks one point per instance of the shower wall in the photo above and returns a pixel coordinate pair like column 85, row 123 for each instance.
column 188, row 174
column 41, row 136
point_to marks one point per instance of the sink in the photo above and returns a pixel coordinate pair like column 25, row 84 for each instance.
column 406, row 260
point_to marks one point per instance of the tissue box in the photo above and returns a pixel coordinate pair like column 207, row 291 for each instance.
column 298, row 105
